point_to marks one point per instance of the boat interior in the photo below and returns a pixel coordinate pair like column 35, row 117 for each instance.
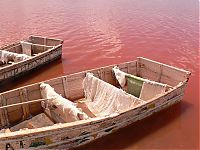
column 31, row 47
column 95, row 93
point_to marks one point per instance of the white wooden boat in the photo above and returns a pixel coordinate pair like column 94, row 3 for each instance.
column 39, row 51
column 23, row 103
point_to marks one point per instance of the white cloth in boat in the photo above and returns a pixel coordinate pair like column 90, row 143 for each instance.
column 7, row 56
column 120, row 76
column 66, row 109
column 26, row 47
column 149, row 90
column 104, row 99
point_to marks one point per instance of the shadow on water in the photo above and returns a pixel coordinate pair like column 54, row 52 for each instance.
column 130, row 135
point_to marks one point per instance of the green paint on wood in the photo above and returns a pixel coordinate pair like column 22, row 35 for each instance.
column 153, row 105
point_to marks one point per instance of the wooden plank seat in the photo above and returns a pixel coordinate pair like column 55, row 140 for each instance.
column 28, row 48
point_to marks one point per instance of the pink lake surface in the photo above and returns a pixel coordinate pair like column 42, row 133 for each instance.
column 102, row 32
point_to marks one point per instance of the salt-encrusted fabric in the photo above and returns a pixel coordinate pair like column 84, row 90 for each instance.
column 64, row 108
column 6, row 56
column 104, row 99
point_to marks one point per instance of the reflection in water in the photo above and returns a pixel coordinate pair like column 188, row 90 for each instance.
column 101, row 27
column 99, row 33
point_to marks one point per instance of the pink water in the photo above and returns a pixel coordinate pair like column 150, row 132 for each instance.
column 102, row 32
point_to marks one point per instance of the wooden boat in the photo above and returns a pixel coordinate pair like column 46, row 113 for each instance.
column 23, row 103
column 40, row 50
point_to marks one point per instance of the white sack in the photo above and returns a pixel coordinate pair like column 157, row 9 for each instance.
column 21, row 57
column 6, row 56
column 63, row 107
column 105, row 99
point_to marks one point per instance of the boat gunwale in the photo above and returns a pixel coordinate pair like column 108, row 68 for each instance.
column 47, row 38
column 14, row 43
column 170, row 66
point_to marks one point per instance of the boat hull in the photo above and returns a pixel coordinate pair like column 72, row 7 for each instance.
column 52, row 52
column 74, row 136
column 34, row 63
